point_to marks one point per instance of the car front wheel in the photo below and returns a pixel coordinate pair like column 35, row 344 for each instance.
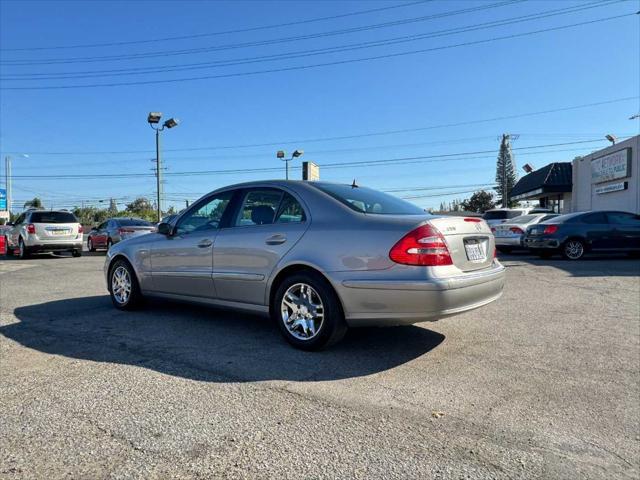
column 308, row 312
column 123, row 286
column 573, row 249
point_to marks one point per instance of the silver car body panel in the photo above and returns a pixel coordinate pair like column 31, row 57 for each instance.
column 351, row 249
column 506, row 238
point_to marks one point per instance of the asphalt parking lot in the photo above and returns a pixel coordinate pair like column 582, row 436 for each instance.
column 543, row 383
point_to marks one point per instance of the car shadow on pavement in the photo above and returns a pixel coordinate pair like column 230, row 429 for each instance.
column 206, row 344
column 593, row 265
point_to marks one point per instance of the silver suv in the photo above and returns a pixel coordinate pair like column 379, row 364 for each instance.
column 40, row 231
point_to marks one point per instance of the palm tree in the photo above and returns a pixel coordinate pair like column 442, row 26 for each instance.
column 35, row 203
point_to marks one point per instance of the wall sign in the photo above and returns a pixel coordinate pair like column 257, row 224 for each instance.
column 3, row 199
column 612, row 187
column 611, row 167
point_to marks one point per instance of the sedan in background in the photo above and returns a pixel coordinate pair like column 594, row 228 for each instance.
column 577, row 234
column 115, row 230
column 317, row 257
column 510, row 235
column 497, row 216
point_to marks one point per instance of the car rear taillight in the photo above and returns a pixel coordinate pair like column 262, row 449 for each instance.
column 31, row 229
column 516, row 230
column 549, row 229
column 125, row 230
column 80, row 229
column 493, row 229
column 423, row 246
column 475, row 220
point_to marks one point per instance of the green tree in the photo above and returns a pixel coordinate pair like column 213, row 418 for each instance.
column 34, row 203
column 506, row 176
column 140, row 208
column 479, row 202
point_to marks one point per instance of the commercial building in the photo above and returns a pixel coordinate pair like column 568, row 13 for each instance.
column 608, row 179
column 550, row 185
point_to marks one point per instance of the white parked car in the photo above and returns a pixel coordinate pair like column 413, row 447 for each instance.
column 40, row 231
column 497, row 216
column 510, row 235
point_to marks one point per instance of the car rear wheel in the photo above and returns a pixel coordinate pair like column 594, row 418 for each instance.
column 123, row 286
column 308, row 312
column 573, row 249
column 9, row 249
column 90, row 246
column 23, row 250
column 76, row 253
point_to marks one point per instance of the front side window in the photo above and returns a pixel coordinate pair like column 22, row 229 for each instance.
column 206, row 216
column 259, row 207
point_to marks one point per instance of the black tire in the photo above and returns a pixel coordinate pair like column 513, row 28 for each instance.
column 23, row 250
column 573, row 249
column 76, row 253
column 332, row 327
column 135, row 297
column 505, row 249
column 90, row 246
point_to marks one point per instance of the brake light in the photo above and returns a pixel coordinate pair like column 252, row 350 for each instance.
column 31, row 229
column 423, row 246
column 475, row 220
column 493, row 229
column 516, row 230
column 549, row 229
column 80, row 229
column 125, row 230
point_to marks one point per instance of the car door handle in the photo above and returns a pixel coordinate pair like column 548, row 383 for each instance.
column 205, row 244
column 276, row 239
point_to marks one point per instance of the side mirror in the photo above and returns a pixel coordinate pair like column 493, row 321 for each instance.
column 165, row 229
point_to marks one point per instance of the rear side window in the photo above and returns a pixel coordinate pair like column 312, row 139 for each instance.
column 132, row 222
column 290, row 211
column 548, row 217
column 259, row 207
column 53, row 217
column 621, row 218
column 595, row 218
column 367, row 200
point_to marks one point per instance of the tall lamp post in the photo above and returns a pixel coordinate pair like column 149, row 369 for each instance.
column 7, row 181
column 282, row 155
column 154, row 121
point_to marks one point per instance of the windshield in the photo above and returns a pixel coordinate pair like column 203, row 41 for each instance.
column 367, row 200
column 53, row 217
column 133, row 222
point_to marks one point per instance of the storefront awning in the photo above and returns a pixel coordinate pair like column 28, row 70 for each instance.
column 553, row 178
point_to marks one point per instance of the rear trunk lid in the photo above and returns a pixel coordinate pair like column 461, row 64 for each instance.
column 56, row 231
column 469, row 240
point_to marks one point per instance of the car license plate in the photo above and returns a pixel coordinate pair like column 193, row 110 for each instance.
column 59, row 232
column 475, row 253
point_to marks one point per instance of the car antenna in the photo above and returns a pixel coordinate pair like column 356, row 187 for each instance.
column 354, row 184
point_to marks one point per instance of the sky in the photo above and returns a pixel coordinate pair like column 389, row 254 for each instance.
column 422, row 92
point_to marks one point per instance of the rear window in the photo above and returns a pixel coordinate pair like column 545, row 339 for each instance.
column 53, row 217
column 524, row 219
column 501, row 214
column 367, row 200
column 132, row 222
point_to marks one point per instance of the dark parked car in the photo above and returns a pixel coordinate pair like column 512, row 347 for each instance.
column 115, row 230
column 576, row 234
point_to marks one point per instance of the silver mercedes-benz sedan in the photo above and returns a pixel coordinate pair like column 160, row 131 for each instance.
column 317, row 257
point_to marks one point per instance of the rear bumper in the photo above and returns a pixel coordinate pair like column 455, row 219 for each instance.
column 397, row 302
column 40, row 246
column 540, row 243
column 509, row 241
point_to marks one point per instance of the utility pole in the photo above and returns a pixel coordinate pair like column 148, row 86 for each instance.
column 7, row 179
column 505, row 201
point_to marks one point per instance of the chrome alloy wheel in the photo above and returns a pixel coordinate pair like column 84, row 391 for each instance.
column 574, row 249
column 302, row 311
column 121, row 285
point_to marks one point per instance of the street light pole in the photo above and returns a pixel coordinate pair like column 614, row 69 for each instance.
column 7, row 180
column 154, row 119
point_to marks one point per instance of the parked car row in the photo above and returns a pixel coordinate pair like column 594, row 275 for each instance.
column 47, row 231
column 571, row 235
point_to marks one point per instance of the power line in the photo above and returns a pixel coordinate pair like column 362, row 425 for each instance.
column 224, row 32
column 422, row 158
column 317, row 65
column 343, row 137
column 302, row 53
column 216, row 48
